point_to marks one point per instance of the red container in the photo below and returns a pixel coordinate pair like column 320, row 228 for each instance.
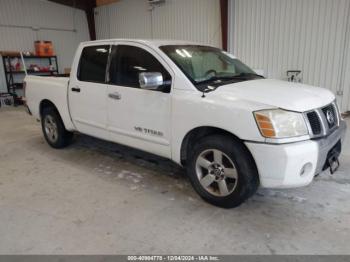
column 43, row 48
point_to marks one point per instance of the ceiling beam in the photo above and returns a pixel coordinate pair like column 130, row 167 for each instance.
column 79, row 4
column 87, row 6
column 105, row 2
column 224, row 22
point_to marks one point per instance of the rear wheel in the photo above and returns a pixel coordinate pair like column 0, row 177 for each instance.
column 222, row 171
column 53, row 128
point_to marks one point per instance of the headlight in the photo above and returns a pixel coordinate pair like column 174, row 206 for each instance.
column 278, row 123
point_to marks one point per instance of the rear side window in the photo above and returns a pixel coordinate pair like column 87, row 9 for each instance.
column 129, row 61
column 93, row 63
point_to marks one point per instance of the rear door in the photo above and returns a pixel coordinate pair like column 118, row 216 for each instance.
column 138, row 117
column 88, row 91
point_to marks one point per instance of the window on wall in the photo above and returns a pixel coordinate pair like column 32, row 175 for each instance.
column 93, row 63
column 129, row 61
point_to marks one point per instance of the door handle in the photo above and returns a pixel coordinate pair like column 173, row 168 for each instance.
column 115, row 96
column 75, row 89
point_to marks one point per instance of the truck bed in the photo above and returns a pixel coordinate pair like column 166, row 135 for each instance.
column 51, row 89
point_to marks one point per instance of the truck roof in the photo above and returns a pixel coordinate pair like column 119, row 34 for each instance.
column 150, row 42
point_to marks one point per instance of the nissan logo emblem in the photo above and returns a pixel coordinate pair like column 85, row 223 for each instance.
column 330, row 117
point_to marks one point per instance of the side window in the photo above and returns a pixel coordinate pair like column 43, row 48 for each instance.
column 129, row 61
column 93, row 63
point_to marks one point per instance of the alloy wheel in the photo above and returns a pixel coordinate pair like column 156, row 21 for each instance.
column 216, row 172
column 51, row 129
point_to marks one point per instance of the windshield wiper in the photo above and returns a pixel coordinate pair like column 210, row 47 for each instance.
column 246, row 74
column 227, row 78
column 216, row 78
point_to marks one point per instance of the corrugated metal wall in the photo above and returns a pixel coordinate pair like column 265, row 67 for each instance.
column 346, row 69
column 194, row 20
column 63, row 25
column 124, row 19
column 310, row 35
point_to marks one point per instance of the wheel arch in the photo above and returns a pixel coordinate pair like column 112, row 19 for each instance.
column 61, row 109
column 199, row 132
column 46, row 103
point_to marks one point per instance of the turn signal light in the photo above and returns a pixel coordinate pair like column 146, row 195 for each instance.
column 265, row 125
column 279, row 123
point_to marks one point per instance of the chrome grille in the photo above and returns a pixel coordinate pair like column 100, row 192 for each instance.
column 315, row 123
column 322, row 121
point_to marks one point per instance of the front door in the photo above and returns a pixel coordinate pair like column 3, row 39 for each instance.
column 138, row 117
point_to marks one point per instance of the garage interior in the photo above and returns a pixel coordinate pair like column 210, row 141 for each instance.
column 96, row 197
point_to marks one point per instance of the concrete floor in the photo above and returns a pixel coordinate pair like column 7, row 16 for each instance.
column 96, row 197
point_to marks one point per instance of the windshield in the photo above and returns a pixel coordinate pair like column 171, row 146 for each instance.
column 205, row 65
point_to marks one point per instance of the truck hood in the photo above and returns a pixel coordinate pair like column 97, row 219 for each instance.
column 277, row 93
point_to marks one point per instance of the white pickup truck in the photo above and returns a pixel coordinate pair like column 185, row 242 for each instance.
column 198, row 105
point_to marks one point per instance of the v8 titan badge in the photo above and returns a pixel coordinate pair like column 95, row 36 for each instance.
column 148, row 131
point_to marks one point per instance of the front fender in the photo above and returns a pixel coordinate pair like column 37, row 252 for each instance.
column 191, row 110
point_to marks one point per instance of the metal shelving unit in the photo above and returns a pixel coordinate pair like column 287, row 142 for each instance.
column 10, row 73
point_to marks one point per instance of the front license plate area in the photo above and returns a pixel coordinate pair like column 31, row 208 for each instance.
column 333, row 158
column 333, row 163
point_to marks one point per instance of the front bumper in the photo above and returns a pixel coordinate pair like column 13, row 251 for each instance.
column 294, row 164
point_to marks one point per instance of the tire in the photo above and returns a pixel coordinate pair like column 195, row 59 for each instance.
column 237, row 169
column 53, row 129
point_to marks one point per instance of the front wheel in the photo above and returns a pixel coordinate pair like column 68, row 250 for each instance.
column 53, row 128
column 222, row 171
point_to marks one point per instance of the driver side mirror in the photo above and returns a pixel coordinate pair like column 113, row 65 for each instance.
column 150, row 80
